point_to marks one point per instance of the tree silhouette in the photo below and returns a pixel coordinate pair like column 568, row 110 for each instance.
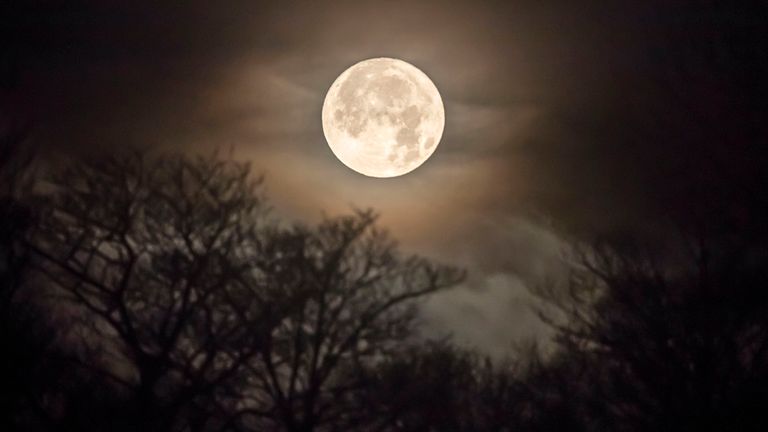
column 155, row 255
column 678, row 346
column 352, row 307
column 672, row 335
column 29, row 365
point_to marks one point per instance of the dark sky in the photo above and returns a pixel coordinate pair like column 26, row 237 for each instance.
column 563, row 120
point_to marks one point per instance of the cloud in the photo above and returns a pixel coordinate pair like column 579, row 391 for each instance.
column 253, row 77
column 491, row 318
column 552, row 109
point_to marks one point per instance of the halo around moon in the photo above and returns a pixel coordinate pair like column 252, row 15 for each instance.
column 383, row 117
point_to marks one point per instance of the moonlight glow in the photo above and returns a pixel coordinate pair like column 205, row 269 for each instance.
column 383, row 117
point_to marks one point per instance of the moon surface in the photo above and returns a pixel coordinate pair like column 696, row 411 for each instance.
column 383, row 117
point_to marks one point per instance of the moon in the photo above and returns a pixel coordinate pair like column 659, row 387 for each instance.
column 383, row 117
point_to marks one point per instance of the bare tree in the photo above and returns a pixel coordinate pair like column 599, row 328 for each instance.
column 681, row 345
column 353, row 297
column 674, row 336
column 31, row 364
column 155, row 256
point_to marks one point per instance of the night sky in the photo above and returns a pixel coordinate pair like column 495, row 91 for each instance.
column 564, row 121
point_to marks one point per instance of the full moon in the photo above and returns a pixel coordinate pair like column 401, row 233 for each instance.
column 383, row 117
